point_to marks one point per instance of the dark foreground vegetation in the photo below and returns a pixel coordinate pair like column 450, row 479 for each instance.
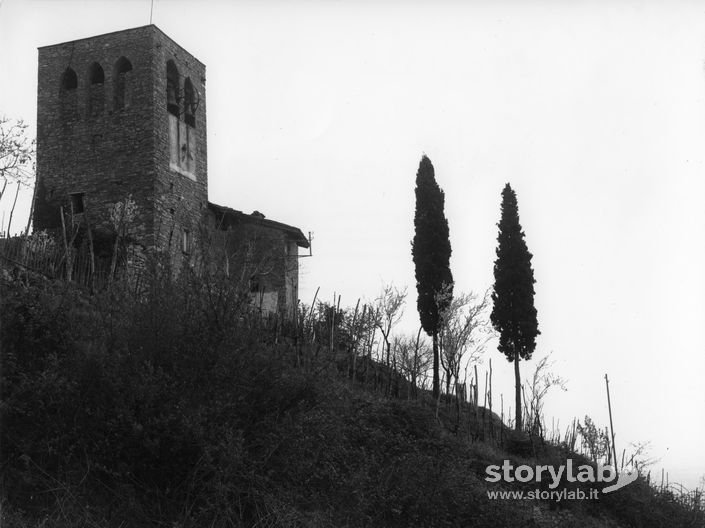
column 175, row 407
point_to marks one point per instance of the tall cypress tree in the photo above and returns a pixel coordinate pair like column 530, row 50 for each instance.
column 431, row 252
column 513, row 314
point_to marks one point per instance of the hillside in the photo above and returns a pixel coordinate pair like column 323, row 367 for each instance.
column 174, row 408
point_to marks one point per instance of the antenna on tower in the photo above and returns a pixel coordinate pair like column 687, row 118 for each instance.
column 151, row 10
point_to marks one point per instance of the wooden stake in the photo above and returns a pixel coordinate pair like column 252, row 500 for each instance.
column 12, row 211
column 31, row 210
column 69, row 263
column 90, row 245
column 476, row 397
column 609, row 408
column 490, row 402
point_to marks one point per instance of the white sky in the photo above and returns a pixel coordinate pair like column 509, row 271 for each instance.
column 595, row 112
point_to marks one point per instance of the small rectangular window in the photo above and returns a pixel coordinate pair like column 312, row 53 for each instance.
column 77, row 206
column 186, row 241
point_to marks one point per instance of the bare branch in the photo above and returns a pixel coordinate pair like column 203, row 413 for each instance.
column 17, row 152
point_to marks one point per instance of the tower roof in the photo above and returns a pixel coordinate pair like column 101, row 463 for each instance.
column 137, row 29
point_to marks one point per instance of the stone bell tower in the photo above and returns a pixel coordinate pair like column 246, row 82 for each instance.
column 123, row 114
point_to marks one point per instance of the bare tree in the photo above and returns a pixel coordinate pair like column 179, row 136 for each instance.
column 122, row 216
column 414, row 356
column 17, row 154
column 594, row 441
column 541, row 382
column 389, row 309
column 641, row 458
column 359, row 329
column 465, row 329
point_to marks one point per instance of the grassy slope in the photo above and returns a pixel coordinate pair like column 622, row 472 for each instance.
column 124, row 414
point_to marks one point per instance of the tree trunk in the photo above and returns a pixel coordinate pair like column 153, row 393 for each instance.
column 416, row 362
column 354, row 366
column 389, row 368
column 436, row 378
column 517, row 402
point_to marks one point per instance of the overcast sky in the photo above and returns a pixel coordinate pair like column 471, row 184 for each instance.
column 319, row 113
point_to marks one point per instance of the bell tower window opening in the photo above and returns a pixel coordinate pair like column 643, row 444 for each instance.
column 67, row 94
column 96, row 78
column 172, row 88
column 182, row 137
column 189, row 103
column 122, row 74
column 69, row 80
column 96, row 74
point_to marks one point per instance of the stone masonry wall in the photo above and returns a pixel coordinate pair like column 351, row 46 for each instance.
column 105, row 154
column 263, row 256
column 110, row 139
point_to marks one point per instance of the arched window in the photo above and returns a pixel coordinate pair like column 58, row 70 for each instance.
column 189, row 103
column 96, row 74
column 182, row 137
column 122, row 74
column 96, row 96
column 69, row 80
column 67, row 94
column 172, row 88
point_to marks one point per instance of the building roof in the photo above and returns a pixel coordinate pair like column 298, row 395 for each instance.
column 256, row 218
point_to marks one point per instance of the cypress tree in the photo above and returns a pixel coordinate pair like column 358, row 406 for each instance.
column 431, row 252
column 513, row 314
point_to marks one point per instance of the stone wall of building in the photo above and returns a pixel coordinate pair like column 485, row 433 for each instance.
column 264, row 258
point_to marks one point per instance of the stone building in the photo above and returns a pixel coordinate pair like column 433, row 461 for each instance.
column 124, row 115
